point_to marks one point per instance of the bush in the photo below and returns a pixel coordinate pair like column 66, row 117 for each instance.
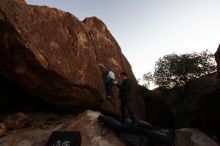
column 176, row 70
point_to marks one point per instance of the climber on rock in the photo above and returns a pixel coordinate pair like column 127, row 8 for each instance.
column 110, row 78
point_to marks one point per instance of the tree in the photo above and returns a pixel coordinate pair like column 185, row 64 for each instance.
column 175, row 70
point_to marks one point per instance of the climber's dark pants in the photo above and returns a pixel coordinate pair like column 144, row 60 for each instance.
column 127, row 106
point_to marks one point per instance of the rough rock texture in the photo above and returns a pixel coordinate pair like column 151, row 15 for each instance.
column 217, row 58
column 3, row 129
column 55, row 56
column 21, row 1
column 193, row 137
column 17, row 121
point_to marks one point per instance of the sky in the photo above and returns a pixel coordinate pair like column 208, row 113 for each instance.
column 149, row 29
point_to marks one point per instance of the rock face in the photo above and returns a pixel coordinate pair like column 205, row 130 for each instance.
column 17, row 121
column 21, row 1
column 217, row 58
column 55, row 56
column 193, row 137
column 3, row 129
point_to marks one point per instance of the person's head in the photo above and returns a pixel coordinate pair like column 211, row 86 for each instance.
column 124, row 75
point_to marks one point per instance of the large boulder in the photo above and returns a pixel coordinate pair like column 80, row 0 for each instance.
column 55, row 56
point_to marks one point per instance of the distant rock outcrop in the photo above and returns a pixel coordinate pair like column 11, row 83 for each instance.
column 195, row 105
column 54, row 56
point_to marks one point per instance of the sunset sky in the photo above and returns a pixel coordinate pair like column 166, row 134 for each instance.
column 149, row 29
